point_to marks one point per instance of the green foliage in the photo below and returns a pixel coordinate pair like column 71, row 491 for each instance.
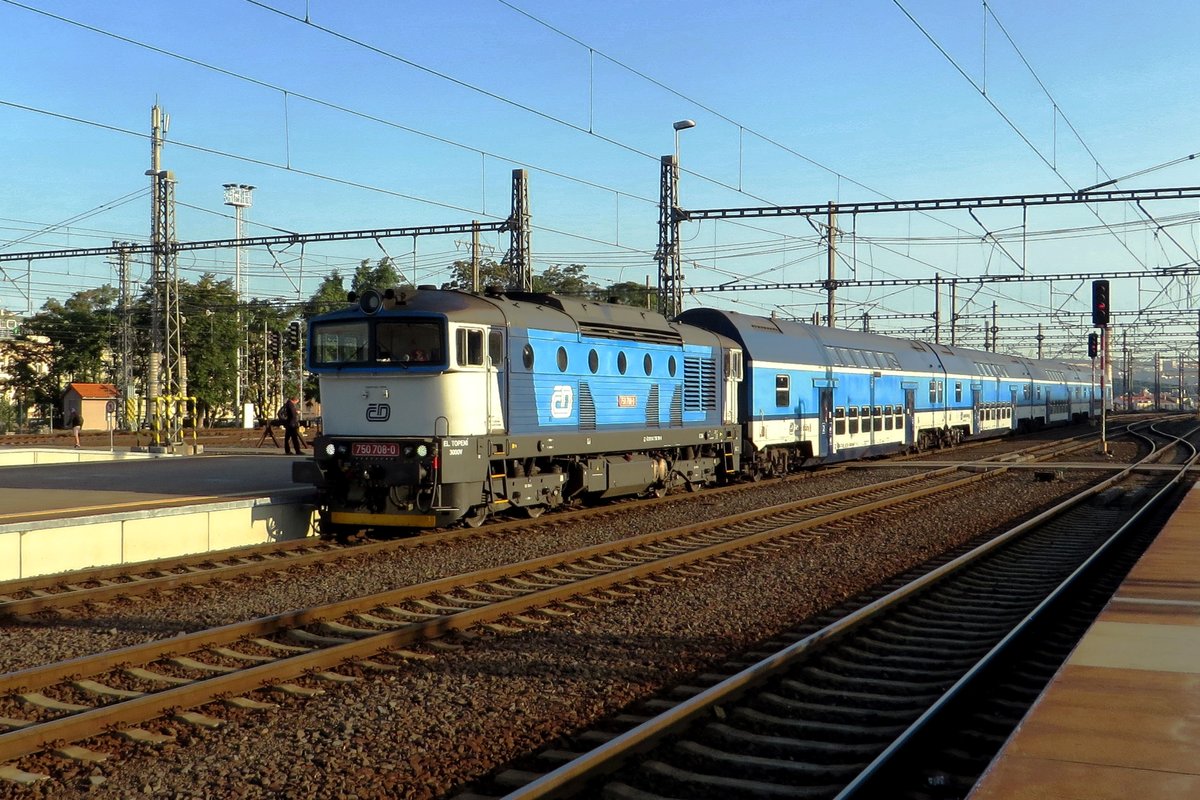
column 631, row 293
column 571, row 281
column 209, row 338
column 491, row 273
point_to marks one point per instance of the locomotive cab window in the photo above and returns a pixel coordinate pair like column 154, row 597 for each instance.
column 468, row 349
column 339, row 343
column 409, row 341
column 496, row 348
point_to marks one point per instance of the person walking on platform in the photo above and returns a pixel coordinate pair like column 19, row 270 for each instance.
column 76, row 424
column 291, row 427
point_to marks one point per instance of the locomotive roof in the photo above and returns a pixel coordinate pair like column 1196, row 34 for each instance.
column 609, row 320
column 536, row 310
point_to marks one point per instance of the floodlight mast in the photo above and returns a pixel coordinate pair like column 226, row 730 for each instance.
column 240, row 196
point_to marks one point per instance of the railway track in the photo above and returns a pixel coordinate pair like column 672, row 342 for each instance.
column 44, row 593
column 895, row 697
column 43, row 707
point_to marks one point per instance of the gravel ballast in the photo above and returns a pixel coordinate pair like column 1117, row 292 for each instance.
column 435, row 725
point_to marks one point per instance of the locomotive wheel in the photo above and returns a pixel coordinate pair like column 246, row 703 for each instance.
column 475, row 516
column 694, row 486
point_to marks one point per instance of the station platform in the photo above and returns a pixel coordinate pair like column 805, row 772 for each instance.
column 94, row 510
column 1121, row 719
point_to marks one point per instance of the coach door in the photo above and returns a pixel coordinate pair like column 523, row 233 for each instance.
column 1012, row 412
column 976, row 399
column 826, row 424
column 910, row 417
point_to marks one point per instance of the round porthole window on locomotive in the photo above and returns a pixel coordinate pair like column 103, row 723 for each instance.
column 622, row 362
column 562, row 359
column 648, row 364
column 593, row 361
column 527, row 356
column 671, row 366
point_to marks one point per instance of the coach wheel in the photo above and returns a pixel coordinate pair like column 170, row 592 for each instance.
column 533, row 512
column 475, row 516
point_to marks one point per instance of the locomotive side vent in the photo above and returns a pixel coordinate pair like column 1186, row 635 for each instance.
column 652, row 408
column 699, row 383
column 677, row 407
column 587, row 408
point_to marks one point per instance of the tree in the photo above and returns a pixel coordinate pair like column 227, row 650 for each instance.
column 379, row 277
column 571, row 280
column 82, row 333
column 209, row 338
column 491, row 273
column 631, row 293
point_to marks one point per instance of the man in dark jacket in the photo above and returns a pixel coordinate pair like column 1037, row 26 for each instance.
column 291, row 427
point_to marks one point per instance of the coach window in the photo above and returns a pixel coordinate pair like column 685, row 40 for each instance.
column 852, row 413
column 671, row 366
column 888, row 422
column 648, row 364
column 562, row 359
column 527, row 356
column 783, row 391
column 469, row 347
column 1038, row 389
column 899, row 417
column 593, row 361
column 839, row 421
column 622, row 362
column 958, row 391
column 878, row 415
column 866, row 419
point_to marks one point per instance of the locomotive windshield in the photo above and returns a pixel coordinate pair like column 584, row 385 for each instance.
column 403, row 341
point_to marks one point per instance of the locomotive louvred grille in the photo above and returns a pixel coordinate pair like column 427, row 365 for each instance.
column 652, row 408
column 699, row 383
column 587, row 408
column 677, row 408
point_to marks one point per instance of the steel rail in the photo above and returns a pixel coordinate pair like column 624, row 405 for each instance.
column 571, row 776
column 71, row 597
column 83, row 724
column 1036, row 614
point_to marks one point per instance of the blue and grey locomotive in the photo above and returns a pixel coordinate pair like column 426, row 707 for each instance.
column 440, row 405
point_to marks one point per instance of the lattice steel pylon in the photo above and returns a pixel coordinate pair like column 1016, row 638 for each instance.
column 167, row 378
column 670, row 272
column 520, row 259
column 125, row 333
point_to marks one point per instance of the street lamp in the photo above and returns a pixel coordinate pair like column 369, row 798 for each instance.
column 681, row 125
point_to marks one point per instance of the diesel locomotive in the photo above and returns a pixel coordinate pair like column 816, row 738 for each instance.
column 441, row 406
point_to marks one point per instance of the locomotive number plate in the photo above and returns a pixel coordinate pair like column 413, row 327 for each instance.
column 375, row 449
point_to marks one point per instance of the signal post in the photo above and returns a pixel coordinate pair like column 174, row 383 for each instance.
column 1100, row 309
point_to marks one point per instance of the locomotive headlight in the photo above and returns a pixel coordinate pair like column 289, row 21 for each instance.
column 422, row 450
column 330, row 449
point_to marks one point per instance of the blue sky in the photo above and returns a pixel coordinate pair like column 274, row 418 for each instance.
column 795, row 103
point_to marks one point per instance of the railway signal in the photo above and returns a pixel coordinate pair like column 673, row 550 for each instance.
column 1093, row 345
column 293, row 336
column 1100, row 303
